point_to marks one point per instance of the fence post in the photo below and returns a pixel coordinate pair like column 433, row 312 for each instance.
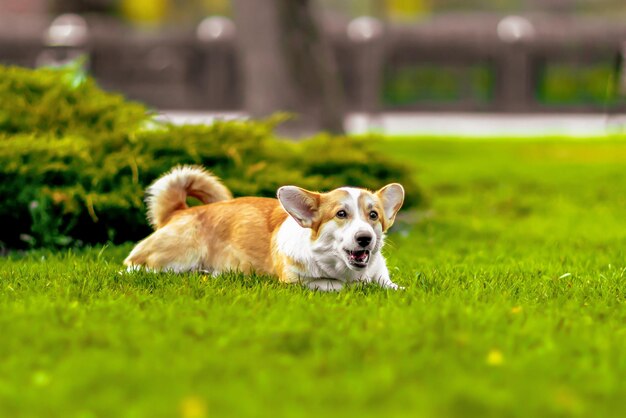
column 366, row 34
column 217, row 74
column 514, row 79
column 66, row 39
column 616, row 112
column 621, row 77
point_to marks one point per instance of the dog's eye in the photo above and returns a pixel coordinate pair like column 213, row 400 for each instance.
column 342, row 214
column 373, row 215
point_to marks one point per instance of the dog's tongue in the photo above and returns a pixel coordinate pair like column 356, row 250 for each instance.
column 359, row 255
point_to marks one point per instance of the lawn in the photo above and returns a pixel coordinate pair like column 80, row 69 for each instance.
column 514, row 306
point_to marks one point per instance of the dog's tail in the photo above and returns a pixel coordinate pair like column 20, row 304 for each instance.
column 169, row 193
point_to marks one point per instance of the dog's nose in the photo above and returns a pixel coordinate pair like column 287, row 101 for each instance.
column 363, row 238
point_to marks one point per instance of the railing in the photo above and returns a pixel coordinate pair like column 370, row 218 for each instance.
column 459, row 63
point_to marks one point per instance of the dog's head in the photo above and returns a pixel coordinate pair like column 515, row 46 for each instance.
column 347, row 223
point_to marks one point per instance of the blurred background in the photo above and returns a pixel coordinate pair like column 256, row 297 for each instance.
column 341, row 64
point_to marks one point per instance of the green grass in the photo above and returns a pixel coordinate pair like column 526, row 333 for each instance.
column 514, row 306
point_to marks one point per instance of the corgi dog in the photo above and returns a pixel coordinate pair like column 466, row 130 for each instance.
column 321, row 240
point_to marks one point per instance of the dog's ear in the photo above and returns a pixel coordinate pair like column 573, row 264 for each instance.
column 301, row 204
column 392, row 197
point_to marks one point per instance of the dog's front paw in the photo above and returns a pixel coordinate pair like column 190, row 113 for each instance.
column 391, row 285
column 325, row 285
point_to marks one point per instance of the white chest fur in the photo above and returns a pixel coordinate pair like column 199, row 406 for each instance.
column 319, row 259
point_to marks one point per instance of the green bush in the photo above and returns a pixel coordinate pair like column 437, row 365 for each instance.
column 74, row 160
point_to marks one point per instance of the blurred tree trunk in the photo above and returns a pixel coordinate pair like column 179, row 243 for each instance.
column 288, row 65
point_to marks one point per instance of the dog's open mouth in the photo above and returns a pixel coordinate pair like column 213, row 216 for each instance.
column 358, row 258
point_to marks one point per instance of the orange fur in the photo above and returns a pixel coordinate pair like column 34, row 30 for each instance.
column 229, row 235
column 329, row 204
column 169, row 193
